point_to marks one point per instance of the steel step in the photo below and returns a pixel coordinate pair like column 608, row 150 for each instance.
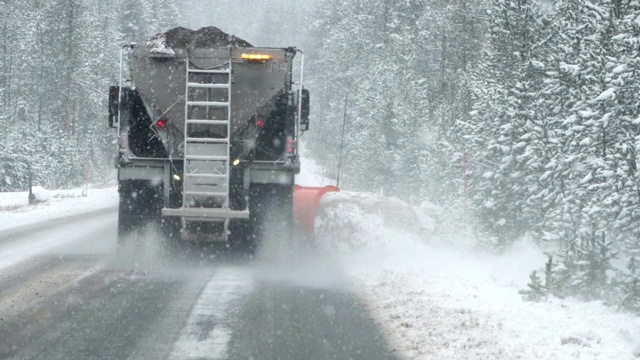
column 208, row 122
column 208, row 86
column 211, row 176
column 207, row 140
column 208, row 103
column 203, row 71
column 206, row 193
column 206, row 213
column 206, row 158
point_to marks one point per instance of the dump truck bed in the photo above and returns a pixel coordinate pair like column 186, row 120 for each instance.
column 159, row 73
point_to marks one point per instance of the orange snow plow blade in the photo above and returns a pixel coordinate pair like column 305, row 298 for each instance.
column 305, row 205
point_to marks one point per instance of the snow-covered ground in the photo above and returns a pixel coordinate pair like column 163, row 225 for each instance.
column 15, row 211
column 434, row 297
column 437, row 300
column 311, row 174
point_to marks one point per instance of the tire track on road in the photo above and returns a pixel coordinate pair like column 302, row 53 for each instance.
column 27, row 230
column 26, row 290
column 76, row 234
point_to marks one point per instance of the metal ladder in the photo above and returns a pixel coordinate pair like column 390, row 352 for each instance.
column 207, row 159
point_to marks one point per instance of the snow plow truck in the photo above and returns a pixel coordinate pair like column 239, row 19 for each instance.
column 208, row 129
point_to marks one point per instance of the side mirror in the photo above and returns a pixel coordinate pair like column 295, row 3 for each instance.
column 304, row 116
column 114, row 104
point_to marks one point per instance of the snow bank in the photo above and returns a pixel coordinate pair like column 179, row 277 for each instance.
column 311, row 173
column 15, row 211
column 41, row 194
column 436, row 302
column 447, row 307
column 351, row 220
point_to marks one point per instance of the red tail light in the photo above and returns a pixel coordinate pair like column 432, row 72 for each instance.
column 289, row 144
column 161, row 123
column 259, row 123
column 123, row 142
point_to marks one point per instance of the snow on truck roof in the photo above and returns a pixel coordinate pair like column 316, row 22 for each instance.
column 183, row 38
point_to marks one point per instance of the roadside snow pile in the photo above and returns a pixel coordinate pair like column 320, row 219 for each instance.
column 351, row 220
column 41, row 194
column 15, row 211
column 436, row 302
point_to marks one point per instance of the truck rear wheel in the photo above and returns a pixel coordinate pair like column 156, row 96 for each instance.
column 140, row 204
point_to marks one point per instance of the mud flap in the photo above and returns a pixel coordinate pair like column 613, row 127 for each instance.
column 271, row 214
column 140, row 205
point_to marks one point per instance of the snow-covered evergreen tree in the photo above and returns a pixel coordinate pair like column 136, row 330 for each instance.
column 507, row 130
column 535, row 288
column 399, row 64
column 629, row 287
column 57, row 58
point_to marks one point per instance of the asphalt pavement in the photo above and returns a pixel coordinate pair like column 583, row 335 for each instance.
column 66, row 293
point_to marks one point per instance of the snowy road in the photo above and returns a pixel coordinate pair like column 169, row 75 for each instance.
column 64, row 294
column 382, row 275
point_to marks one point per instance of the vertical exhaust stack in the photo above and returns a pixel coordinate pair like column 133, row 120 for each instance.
column 305, row 206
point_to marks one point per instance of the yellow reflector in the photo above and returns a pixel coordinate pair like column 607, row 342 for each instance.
column 236, row 162
column 256, row 57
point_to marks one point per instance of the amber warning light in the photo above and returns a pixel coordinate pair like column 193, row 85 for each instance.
column 256, row 57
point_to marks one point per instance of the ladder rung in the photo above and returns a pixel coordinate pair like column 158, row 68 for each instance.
column 208, row 176
column 206, row 193
column 203, row 71
column 208, row 86
column 208, row 122
column 207, row 140
column 199, row 187
column 208, row 103
column 206, row 158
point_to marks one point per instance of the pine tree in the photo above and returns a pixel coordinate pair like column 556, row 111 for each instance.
column 56, row 59
column 550, row 275
column 590, row 279
column 536, row 290
column 629, row 287
column 136, row 20
column 165, row 15
column 566, row 270
column 404, row 92
column 508, row 124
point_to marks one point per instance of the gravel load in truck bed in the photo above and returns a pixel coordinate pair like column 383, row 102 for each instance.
column 206, row 37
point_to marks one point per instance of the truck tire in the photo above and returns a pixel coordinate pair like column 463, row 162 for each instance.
column 171, row 229
column 140, row 205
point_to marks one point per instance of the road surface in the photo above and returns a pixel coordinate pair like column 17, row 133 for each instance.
column 65, row 294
